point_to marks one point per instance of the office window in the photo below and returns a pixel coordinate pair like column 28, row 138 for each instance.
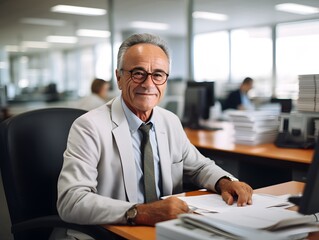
column 103, row 62
column 72, row 74
column 211, row 58
column 56, row 67
column 80, row 71
column 20, row 74
column 251, row 56
column 296, row 53
column 87, row 71
column 31, row 73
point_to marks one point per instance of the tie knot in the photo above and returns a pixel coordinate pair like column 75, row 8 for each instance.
column 145, row 128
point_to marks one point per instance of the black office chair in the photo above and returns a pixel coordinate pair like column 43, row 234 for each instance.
column 31, row 153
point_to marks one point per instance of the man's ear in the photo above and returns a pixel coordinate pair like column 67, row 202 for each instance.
column 118, row 78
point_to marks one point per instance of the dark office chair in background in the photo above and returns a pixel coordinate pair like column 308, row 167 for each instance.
column 31, row 157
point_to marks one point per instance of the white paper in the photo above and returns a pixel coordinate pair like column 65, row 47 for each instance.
column 215, row 203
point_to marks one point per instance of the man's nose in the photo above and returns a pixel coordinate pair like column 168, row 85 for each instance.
column 148, row 80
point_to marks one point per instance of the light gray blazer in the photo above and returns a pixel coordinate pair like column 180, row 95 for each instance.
column 98, row 183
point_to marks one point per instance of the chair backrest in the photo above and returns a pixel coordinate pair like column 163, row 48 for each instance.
column 31, row 151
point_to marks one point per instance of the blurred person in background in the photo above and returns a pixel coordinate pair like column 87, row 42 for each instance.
column 99, row 95
column 238, row 99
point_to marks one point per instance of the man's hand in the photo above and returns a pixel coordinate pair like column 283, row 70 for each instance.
column 151, row 213
column 232, row 190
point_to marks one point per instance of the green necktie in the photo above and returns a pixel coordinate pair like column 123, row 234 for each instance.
column 148, row 165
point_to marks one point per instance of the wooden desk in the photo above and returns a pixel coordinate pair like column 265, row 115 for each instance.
column 223, row 140
column 261, row 165
column 149, row 233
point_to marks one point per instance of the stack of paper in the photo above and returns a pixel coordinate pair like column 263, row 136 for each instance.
column 255, row 127
column 308, row 100
column 194, row 227
column 256, row 224
column 265, row 219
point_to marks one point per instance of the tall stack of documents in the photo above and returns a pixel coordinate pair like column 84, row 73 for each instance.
column 308, row 100
column 254, row 127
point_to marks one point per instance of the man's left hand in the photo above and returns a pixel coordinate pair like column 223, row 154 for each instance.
column 235, row 190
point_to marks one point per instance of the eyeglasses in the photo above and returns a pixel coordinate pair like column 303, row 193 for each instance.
column 140, row 75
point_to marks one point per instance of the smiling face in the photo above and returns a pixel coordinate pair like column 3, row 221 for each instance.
column 141, row 98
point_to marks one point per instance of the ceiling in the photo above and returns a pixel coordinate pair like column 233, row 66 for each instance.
column 242, row 13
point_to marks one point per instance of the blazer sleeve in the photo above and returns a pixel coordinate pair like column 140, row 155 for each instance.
column 78, row 198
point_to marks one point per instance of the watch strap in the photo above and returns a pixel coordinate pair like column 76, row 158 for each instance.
column 131, row 214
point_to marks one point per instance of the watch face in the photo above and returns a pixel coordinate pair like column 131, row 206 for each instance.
column 131, row 213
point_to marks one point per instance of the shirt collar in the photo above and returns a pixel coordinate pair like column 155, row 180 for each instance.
column 133, row 121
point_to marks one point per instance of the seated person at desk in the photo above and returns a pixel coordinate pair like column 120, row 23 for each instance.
column 105, row 167
column 98, row 97
column 238, row 99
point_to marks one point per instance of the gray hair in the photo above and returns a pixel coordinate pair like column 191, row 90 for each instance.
column 137, row 39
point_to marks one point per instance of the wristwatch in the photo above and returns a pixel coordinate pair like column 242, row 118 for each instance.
column 229, row 177
column 131, row 214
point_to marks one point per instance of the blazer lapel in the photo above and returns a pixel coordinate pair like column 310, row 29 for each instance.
column 165, row 162
column 122, row 138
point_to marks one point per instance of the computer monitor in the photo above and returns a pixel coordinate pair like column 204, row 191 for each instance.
column 285, row 104
column 209, row 97
column 199, row 98
column 309, row 201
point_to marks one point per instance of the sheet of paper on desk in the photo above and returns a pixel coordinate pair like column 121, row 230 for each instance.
column 215, row 203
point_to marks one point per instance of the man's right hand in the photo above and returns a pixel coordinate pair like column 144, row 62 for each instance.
column 151, row 213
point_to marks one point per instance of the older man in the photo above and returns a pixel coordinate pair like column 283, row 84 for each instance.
column 103, row 176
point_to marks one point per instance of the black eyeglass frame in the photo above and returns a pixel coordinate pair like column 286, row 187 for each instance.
column 146, row 76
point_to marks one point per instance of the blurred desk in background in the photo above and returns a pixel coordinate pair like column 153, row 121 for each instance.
column 261, row 165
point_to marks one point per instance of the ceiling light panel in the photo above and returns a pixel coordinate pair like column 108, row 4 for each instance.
column 35, row 44
column 296, row 8
column 92, row 33
column 62, row 39
column 149, row 25
column 78, row 10
column 210, row 16
column 43, row 21
column 12, row 48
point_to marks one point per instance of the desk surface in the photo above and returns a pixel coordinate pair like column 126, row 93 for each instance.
column 144, row 232
column 222, row 140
